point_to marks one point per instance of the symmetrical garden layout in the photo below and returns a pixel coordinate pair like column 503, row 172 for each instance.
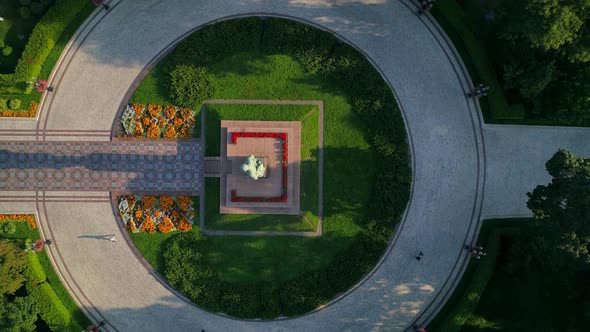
column 456, row 158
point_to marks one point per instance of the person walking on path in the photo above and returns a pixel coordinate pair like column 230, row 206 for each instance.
column 419, row 256
column 42, row 86
column 95, row 328
column 113, row 238
column 425, row 6
column 101, row 3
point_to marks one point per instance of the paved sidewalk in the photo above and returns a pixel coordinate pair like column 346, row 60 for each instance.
column 516, row 163
column 444, row 135
column 129, row 165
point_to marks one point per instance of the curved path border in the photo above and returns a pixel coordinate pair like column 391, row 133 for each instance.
column 445, row 137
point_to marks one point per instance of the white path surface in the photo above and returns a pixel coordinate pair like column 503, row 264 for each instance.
column 516, row 157
column 447, row 155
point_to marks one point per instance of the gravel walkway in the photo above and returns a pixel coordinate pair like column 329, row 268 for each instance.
column 445, row 137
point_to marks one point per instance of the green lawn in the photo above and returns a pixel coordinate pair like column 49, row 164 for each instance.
column 79, row 320
column 347, row 155
column 498, row 293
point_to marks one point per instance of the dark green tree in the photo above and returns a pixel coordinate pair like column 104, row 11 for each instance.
column 19, row 315
column 562, row 208
column 13, row 262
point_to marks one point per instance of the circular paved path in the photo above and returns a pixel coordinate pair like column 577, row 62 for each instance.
column 444, row 132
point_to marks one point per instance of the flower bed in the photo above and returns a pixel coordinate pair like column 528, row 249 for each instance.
column 282, row 136
column 155, row 121
column 163, row 213
column 29, row 218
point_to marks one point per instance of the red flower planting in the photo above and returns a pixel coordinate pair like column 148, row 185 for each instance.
column 283, row 136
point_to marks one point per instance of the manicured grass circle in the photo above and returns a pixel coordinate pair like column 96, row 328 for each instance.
column 366, row 169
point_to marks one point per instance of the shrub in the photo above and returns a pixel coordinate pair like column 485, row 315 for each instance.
column 305, row 293
column 12, row 267
column 24, row 12
column 14, row 104
column 35, row 273
column 8, row 227
column 2, row 44
column 190, row 86
column 187, row 269
column 7, row 50
column 24, row 2
column 50, row 307
column 46, row 2
column 37, row 8
column 3, row 105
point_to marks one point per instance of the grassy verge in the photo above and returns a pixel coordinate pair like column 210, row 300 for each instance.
column 76, row 319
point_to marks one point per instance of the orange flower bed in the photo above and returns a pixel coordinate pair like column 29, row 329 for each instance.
column 178, row 121
column 138, row 108
column 166, row 202
column 131, row 226
column 153, row 131
column 166, row 226
column 184, row 225
column 157, row 213
column 148, row 226
column 154, row 110
column 146, row 121
column 148, row 202
column 170, row 132
column 29, row 218
column 22, row 114
column 170, row 112
column 184, row 202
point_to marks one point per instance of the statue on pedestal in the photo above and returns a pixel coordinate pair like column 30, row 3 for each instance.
column 253, row 167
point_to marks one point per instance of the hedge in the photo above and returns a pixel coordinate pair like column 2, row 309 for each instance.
column 35, row 273
column 40, row 44
column 52, row 310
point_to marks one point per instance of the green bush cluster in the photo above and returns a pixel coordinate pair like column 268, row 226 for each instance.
column 8, row 227
column 295, row 297
column 13, row 266
column 50, row 307
column 40, row 44
column 14, row 104
column 7, row 50
column 190, row 85
column 35, row 273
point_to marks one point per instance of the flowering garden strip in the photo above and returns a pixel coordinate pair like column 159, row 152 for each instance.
column 285, row 164
column 29, row 218
column 154, row 121
column 162, row 213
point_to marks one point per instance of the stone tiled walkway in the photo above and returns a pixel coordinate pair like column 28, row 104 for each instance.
column 123, row 165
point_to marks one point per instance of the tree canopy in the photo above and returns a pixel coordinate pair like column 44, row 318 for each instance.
column 563, row 208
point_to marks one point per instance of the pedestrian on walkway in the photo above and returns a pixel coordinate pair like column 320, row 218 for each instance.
column 42, row 86
column 100, row 3
column 114, row 238
column 419, row 328
column 48, row 242
column 95, row 328
column 480, row 91
column 419, row 257
column 425, row 6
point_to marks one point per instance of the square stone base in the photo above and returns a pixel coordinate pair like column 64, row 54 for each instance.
column 234, row 155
